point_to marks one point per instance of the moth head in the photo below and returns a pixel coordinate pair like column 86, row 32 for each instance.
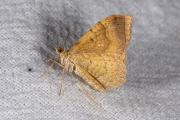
column 60, row 49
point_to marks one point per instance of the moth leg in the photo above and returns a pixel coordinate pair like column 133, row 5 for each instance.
column 57, row 63
column 46, row 72
column 60, row 90
column 62, row 75
column 85, row 91
column 93, row 82
column 50, row 58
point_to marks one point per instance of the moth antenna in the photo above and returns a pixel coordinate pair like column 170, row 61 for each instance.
column 61, row 45
column 67, row 35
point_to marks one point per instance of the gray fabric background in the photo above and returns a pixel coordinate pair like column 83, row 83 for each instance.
column 29, row 31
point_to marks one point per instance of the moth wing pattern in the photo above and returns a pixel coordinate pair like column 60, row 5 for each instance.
column 102, row 50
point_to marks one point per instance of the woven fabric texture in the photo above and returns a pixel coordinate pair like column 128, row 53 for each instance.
column 29, row 31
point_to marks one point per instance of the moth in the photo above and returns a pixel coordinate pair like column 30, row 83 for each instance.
column 99, row 56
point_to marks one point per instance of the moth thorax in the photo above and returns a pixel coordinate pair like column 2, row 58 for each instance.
column 68, row 66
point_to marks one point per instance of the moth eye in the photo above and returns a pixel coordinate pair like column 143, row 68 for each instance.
column 60, row 50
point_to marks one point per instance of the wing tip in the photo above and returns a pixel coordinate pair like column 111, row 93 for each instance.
column 122, row 15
